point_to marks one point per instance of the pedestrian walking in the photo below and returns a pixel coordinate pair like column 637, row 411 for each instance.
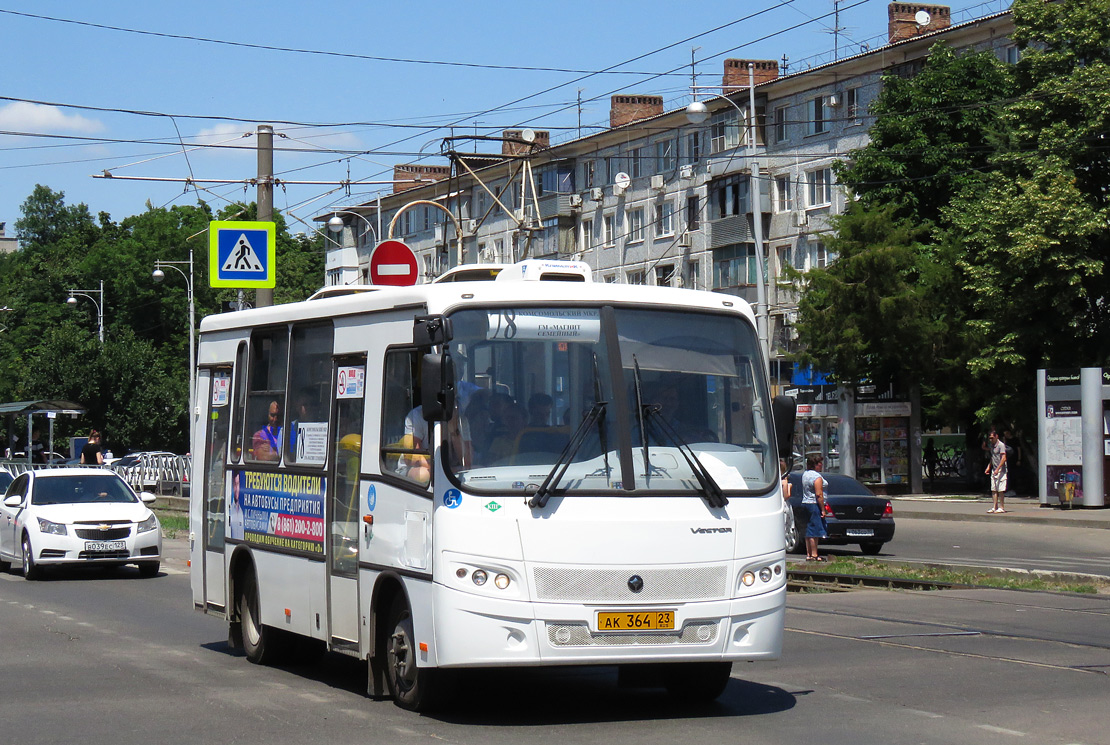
column 996, row 471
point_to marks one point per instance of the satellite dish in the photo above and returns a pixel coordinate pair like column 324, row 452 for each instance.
column 529, row 136
column 922, row 17
column 622, row 180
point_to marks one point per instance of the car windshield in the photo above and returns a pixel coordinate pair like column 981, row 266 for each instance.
column 81, row 489
column 537, row 401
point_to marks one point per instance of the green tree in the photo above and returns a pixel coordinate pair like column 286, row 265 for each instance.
column 1034, row 230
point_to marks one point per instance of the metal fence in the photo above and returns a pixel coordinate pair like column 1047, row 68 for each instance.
column 162, row 474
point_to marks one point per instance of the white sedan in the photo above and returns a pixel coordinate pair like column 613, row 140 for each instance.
column 77, row 516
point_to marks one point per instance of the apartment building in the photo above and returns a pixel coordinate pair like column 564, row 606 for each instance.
column 658, row 199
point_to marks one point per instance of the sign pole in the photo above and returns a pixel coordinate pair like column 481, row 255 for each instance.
column 265, row 296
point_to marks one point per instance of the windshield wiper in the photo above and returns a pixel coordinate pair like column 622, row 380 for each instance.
column 711, row 490
column 596, row 412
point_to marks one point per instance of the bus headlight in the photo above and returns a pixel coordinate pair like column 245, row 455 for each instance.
column 501, row 581
column 748, row 579
column 479, row 577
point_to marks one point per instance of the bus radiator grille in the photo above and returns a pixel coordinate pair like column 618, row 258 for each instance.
column 675, row 585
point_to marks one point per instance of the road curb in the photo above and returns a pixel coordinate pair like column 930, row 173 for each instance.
column 1067, row 522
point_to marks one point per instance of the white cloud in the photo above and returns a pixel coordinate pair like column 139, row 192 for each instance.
column 32, row 117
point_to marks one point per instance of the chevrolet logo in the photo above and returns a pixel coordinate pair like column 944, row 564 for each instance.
column 104, row 526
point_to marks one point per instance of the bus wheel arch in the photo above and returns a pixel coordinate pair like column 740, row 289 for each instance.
column 395, row 651
column 259, row 642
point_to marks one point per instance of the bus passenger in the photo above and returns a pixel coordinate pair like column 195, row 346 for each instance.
column 267, row 441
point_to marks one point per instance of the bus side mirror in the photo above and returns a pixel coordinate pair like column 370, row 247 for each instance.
column 437, row 387
column 431, row 331
column 784, row 409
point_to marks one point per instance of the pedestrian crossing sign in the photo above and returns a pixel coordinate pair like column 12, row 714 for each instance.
column 241, row 254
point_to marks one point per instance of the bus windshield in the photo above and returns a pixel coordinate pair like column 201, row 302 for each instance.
column 591, row 399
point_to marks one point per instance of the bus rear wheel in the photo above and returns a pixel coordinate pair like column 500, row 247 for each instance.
column 696, row 682
column 411, row 687
column 259, row 642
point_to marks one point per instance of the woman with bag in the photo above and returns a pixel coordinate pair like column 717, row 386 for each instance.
column 813, row 500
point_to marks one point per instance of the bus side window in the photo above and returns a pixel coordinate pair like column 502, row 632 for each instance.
column 266, row 394
column 406, row 451
column 309, row 385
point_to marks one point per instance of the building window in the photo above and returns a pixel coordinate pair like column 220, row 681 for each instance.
column 664, row 275
column 587, row 235
column 607, row 231
column 851, row 106
column 693, row 274
column 734, row 266
column 637, row 162
column 693, row 147
column 664, row 219
column 817, row 119
column 665, row 156
column 610, row 279
column 724, row 132
column 499, row 250
column 636, row 278
column 819, row 256
column 549, row 237
column 634, row 224
column 729, row 196
column 589, row 169
column 783, row 256
column 819, row 183
column 784, row 201
column 693, row 216
column 780, row 124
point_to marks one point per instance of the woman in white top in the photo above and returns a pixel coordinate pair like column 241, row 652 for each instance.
column 813, row 500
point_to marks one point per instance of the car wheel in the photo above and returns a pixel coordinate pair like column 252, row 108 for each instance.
column 31, row 571
column 795, row 542
column 872, row 548
column 412, row 687
column 149, row 569
column 696, row 682
column 259, row 642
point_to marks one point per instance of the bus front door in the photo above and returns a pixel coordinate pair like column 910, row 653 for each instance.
column 344, row 526
column 214, row 386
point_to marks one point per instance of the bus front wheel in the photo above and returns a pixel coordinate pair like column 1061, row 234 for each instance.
column 258, row 640
column 411, row 687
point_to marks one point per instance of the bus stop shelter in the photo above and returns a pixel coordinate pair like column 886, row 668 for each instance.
column 49, row 408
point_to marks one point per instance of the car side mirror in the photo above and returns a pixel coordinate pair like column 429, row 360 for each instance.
column 13, row 501
column 437, row 387
column 148, row 497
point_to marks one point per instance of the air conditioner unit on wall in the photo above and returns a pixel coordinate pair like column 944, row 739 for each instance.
column 657, row 182
column 597, row 194
column 471, row 227
column 686, row 172
column 575, row 200
column 684, row 239
column 801, row 219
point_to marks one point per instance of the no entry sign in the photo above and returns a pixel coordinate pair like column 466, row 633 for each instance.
column 393, row 263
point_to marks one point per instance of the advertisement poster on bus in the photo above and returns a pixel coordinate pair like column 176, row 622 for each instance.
column 279, row 510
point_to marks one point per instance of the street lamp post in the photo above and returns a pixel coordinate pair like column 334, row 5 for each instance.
column 696, row 113
column 99, row 304
column 337, row 223
column 158, row 276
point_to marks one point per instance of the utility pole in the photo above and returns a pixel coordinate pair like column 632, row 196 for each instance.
column 264, row 296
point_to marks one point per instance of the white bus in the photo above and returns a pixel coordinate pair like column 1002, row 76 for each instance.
column 519, row 472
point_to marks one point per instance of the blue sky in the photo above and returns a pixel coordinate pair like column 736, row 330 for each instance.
column 386, row 110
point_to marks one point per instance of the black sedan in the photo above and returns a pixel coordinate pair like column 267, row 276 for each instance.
column 853, row 515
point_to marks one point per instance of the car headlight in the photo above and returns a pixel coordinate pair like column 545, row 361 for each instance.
column 151, row 523
column 49, row 528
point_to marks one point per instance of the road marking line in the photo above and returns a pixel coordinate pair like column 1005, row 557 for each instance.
column 1000, row 730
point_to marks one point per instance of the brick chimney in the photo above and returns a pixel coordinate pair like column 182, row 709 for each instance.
column 736, row 72
column 627, row 109
column 902, row 20
column 413, row 170
column 542, row 142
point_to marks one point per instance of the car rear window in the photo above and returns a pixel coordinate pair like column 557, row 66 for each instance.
column 90, row 489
